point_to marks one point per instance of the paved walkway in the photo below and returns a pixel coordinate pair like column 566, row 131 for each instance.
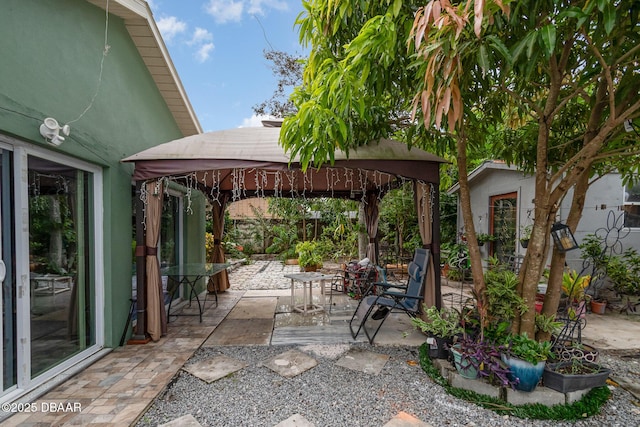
column 117, row 389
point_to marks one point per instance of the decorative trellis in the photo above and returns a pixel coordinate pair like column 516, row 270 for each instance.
column 611, row 235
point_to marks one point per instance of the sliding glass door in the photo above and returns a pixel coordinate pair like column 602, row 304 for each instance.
column 62, row 291
column 51, row 283
column 9, row 356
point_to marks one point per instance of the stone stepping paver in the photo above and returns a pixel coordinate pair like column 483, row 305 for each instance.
column 402, row 419
column 329, row 351
column 291, row 363
column 254, row 308
column 363, row 361
column 296, row 420
column 184, row 421
column 213, row 369
column 241, row 332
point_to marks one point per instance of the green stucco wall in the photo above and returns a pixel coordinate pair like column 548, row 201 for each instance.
column 50, row 62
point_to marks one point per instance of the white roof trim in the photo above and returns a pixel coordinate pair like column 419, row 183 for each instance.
column 481, row 170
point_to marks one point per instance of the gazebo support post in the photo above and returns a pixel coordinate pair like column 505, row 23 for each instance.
column 139, row 335
column 435, row 245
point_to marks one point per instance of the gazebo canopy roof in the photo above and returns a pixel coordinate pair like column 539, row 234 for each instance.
column 250, row 162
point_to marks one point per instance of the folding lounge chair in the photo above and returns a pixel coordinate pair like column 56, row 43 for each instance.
column 393, row 297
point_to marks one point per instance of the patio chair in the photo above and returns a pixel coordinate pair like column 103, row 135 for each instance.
column 355, row 279
column 404, row 298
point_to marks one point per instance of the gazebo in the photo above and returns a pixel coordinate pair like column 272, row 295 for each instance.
column 240, row 163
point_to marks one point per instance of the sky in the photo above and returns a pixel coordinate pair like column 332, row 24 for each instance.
column 217, row 47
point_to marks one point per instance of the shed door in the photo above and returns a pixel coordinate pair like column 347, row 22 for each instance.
column 503, row 216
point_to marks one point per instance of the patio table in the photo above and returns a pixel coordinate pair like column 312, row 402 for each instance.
column 190, row 274
column 307, row 278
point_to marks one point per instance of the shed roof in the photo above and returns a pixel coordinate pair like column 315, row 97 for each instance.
column 482, row 170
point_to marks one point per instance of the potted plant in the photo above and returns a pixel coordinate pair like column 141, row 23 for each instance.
column 573, row 375
column 309, row 257
column 480, row 357
column 573, row 288
column 483, row 238
column 441, row 325
column 465, row 357
column 526, row 358
column 598, row 306
column 525, row 235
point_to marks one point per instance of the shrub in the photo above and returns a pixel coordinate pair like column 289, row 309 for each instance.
column 624, row 272
column 443, row 323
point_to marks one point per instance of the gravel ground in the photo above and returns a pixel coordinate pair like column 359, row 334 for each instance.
column 330, row 395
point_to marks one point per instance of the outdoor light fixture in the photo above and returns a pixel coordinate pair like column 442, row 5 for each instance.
column 563, row 237
column 628, row 125
column 50, row 130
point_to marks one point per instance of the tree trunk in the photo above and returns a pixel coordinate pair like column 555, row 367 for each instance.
column 467, row 216
column 554, row 288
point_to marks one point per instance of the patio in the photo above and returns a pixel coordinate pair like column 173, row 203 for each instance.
column 118, row 389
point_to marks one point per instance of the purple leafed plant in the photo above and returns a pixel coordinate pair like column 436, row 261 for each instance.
column 485, row 357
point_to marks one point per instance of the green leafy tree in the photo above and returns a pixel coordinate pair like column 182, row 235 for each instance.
column 568, row 71
column 287, row 68
column 554, row 80
column 340, row 231
column 398, row 219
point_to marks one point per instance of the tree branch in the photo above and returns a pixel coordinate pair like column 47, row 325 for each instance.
column 606, row 70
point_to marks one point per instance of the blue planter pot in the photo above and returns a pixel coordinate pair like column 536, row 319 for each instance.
column 528, row 373
column 464, row 366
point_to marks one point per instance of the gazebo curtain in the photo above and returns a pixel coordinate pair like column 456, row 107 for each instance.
column 156, row 313
column 371, row 210
column 424, row 199
column 220, row 281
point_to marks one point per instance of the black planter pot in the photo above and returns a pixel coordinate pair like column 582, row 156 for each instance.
column 439, row 347
column 566, row 383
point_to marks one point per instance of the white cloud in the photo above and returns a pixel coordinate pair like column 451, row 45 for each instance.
column 257, row 7
column 202, row 54
column 202, row 40
column 254, row 121
column 200, row 35
column 170, row 26
column 225, row 10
